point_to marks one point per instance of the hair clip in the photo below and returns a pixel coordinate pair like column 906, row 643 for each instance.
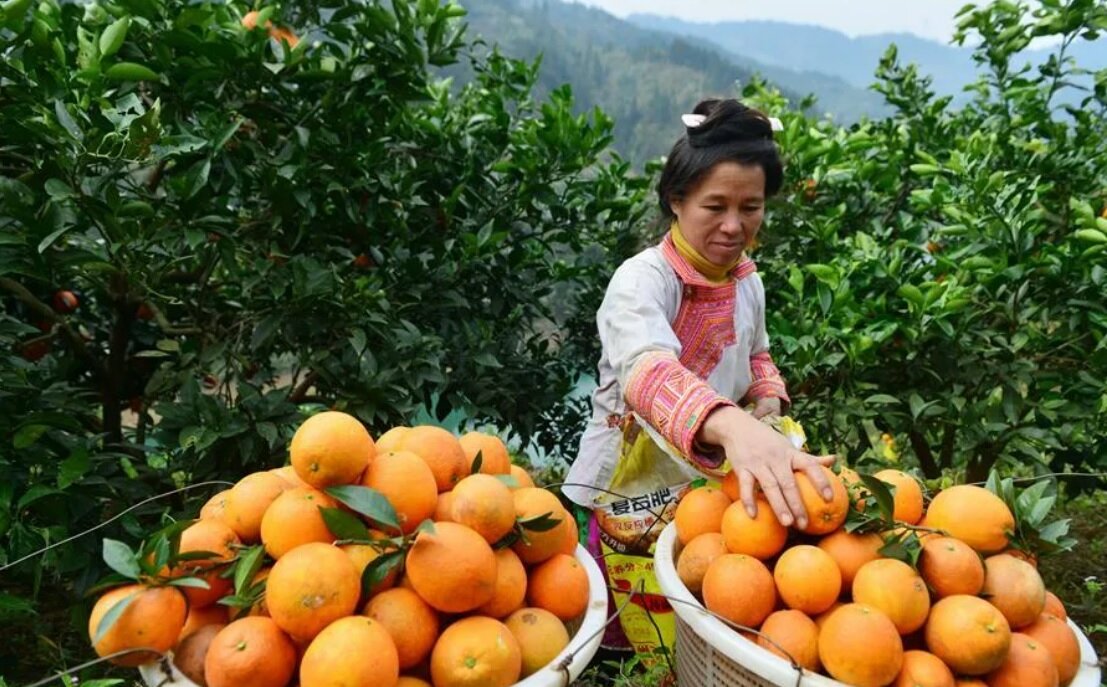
column 692, row 120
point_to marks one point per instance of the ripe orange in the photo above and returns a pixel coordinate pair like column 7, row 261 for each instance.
column 440, row 450
column 541, row 636
column 250, row 651
column 207, row 535
column 895, row 589
column 392, row 439
column 859, row 645
column 950, row 566
column 288, row 474
column 331, row 448
column 969, row 634
column 532, row 502
column 493, row 454
column 215, row 507
column 739, row 588
column 190, row 652
column 245, row 506
column 444, row 507
column 294, row 519
column 1015, row 588
column 453, row 569
column 152, row 619
column 851, row 551
column 1054, row 605
column 215, row 614
column 362, row 555
column 310, row 587
column 923, row 669
column 1028, row 664
column 511, row 586
column 412, row 624
column 1055, row 635
column 792, row 634
column 693, row 559
column 972, row 514
column 807, row 579
column 908, row 495
column 823, row 517
column 701, row 510
column 731, row 487
column 407, row 483
column 522, row 478
column 476, row 651
column 351, row 651
column 761, row 537
column 485, row 505
column 560, row 586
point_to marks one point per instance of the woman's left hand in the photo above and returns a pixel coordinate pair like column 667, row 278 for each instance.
column 767, row 407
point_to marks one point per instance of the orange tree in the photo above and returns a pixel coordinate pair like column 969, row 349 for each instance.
column 248, row 220
column 938, row 275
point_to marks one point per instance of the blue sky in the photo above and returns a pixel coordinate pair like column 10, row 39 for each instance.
column 927, row 18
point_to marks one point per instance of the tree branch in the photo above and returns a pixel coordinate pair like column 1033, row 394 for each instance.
column 47, row 313
column 300, row 392
column 923, row 453
column 946, row 455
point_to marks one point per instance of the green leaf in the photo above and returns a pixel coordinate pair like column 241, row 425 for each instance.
column 343, row 525
column 74, row 467
column 882, row 492
column 54, row 236
column 66, row 120
column 539, row 523
column 28, row 435
column 478, row 460
column 379, row 569
column 911, row 293
column 130, row 71
column 113, row 615
column 1091, row 236
column 368, row 502
column 248, row 564
column 58, row 190
column 906, row 547
column 824, row 273
column 113, row 36
column 191, row 582
column 120, row 558
column 426, row 526
column 13, row 605
column 882, row 399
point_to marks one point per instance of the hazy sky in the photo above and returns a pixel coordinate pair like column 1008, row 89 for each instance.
column 928, row 18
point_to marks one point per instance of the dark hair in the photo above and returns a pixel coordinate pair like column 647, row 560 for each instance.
column 730, row 132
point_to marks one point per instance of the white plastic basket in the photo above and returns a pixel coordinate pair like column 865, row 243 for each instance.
column 709, row 653
column 583, row 645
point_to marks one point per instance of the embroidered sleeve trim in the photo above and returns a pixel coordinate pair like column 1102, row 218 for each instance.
column 767, row 381
column 675, row 402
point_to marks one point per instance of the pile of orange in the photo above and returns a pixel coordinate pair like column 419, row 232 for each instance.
column 972, row 611
column 477, row 599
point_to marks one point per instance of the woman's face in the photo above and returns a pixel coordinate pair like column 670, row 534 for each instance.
column 722, row 214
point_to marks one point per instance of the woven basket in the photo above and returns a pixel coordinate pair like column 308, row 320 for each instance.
column 709, row 653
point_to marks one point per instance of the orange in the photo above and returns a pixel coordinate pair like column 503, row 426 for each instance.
column 1055, row 635
column 969, row 682
column 860, row 646
column 1054, row 605
column 1015, row 588
column 969, row 634
column 207, row 535
column 701, row 510
column 541, row 636
column 807, row 579
column 823, row 517
column 923, row 669
column 972, row 514
column 1028, row 664
column 821, row 618
column 560, row 586
column 792, row 635
column 476, row 651
column 511, row 586
column 246, row 504
column 152, row 619
column 259, row 607
column 412, row 624
column 190, row 652
column 288, row 474
column 392, row 440
column 453, row 569
column 351, row 651
column 440, row 450
column 739, row 588
column 493, row 454
column 851, row 551
column 331, row 448
column 950, row 566
column 362, row 555
column 522, row 477
column 407, row 681
column 444, row 506
column 215, row 614
column 532, row 502
column 310, row 587
column 407, row 483
column 294, row 519
column 216, row 507
column 693, row 559
column 485, row 505
column 250, row 651
column 761, row 537
column 908, row 495
column 731, row 487
column 895, row 589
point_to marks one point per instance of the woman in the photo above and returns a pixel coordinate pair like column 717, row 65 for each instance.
column 682, row 327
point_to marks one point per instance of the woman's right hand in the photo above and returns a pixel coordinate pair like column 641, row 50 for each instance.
column 763, row 457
